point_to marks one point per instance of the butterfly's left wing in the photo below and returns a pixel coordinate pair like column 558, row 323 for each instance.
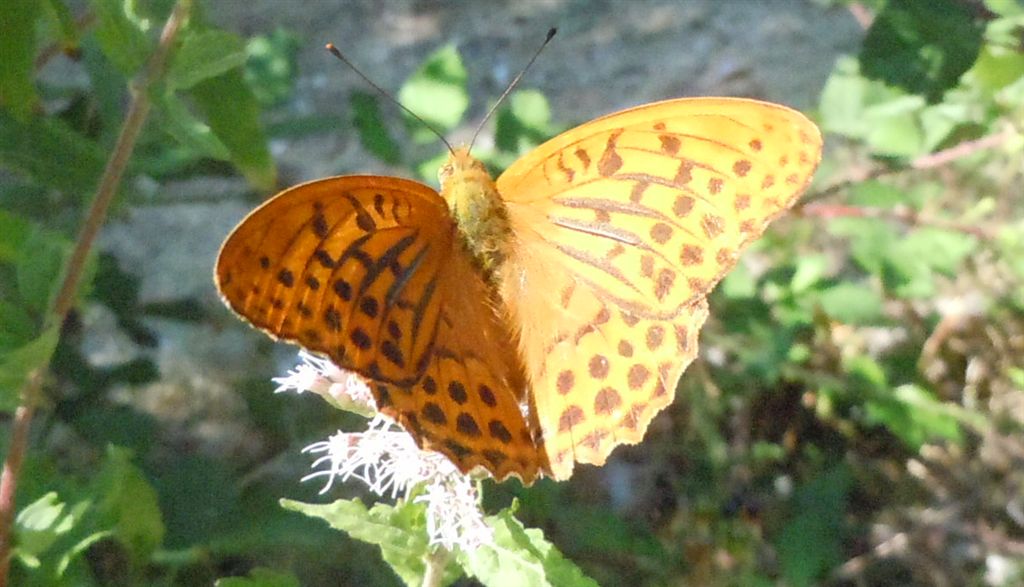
column 369, row 271
column 620, row 229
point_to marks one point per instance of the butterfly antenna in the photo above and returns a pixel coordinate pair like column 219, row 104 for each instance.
column 512, row 85
column 334, row 51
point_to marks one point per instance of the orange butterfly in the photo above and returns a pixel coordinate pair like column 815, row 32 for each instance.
column 526, row 324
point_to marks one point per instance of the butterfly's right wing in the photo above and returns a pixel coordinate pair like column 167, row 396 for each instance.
column 621, row 227
column 368, row 271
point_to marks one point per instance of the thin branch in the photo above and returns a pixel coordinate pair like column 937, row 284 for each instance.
column 929, row 161
column 134, row 120
column 903, row 214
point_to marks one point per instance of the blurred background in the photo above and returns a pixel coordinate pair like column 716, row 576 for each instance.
column 856, row 416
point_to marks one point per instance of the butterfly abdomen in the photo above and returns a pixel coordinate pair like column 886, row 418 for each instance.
column 478, row 209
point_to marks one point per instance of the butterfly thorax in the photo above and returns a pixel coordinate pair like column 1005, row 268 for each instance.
column 478, row 209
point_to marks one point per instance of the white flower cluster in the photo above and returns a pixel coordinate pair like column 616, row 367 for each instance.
column 387, row 460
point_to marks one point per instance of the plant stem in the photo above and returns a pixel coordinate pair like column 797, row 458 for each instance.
column 437, row 562
column 135, row 118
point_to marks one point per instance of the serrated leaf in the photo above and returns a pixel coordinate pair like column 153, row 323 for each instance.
column 16, row 326
column 189, row 130
column 869, row 240
column 233, row 114
column 50, row 153
column 739, row 283
column 851, row 303
column 811, row 541
column 399, row 531
column 16, row 365
column 437, row 93
column 923, row 47
column 122, row 34
column 914, row 415
column 203, row 55
column 914, row 261
column 876, row 194
column 261, row 577
column 521, row 557
column 42, row 522
column 809, row 270
column 893, row 127
column 373, row 133
column 18, row 47
column 127, row 505
column 524, row 123
column 995, row 69
column 13, row 232
column 39, row 268
column 941, row 250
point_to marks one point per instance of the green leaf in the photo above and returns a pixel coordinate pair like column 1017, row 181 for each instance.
column 373, row 133
column 39, row 268
column 43, row 522
column 127, row 505
column 811, row 541
column 914, row 261
column 16, row 365
column 524, row 123
column 914, row 415
column 203, row 55
column 894, row 128
column 233, row 114
column 18, row 47
column 436, row 93
column 189, row 130
column 739, row 283
column 869, row 240
column 876, row 194
column 51, row 154
column 399, row 531
column 272, row 67
column 16, row 326
column 13, row 232
column 851, row 303
column 923, row 47
column 521, row 557
column 261, row 577
column 122, row 34
column 939, row 249
column 810, row 269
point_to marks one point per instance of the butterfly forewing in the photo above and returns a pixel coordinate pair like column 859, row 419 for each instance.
column 348, row 267
column 621, row 228
column 368, row 271
column 651, row 206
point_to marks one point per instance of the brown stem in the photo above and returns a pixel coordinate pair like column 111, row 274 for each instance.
column 906, row 215
column 929, row 161
column 134, row 120
column 437, row 562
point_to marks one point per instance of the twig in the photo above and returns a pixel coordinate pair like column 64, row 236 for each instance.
column 929, row 161
column 134, row 120
column 903, row 214
column 861, row 14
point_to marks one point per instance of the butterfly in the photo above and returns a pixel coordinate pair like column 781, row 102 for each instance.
column 525, row 324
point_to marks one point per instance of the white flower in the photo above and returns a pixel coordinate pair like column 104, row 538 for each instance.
column 387, row 460
column 342, row 389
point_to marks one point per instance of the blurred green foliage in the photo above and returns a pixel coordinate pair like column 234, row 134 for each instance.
column 856, row 365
